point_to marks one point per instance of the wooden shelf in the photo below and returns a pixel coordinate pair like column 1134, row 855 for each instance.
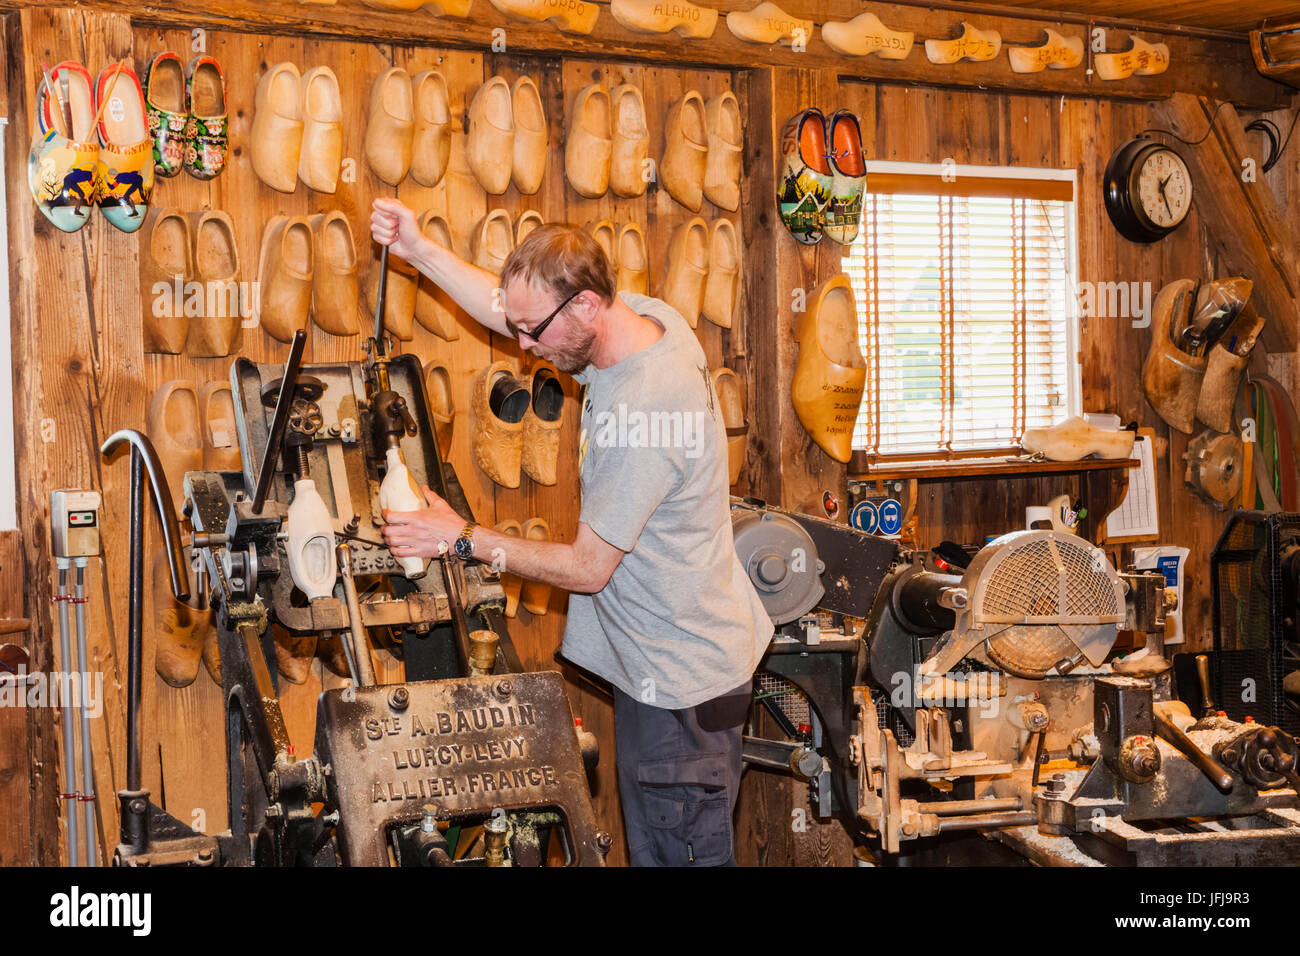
column 986, row 468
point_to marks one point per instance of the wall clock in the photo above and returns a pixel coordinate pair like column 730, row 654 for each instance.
column 1148, row 190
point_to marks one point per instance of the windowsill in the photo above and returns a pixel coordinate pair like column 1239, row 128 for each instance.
column 989, row 468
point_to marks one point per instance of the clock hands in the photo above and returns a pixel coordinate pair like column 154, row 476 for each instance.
column 1163, row 183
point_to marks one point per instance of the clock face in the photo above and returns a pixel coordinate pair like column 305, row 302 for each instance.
column 1163, row 188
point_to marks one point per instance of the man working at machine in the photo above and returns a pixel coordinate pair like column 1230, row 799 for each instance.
column 660, row 605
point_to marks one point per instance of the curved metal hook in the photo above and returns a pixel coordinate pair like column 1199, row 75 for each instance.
column 162, row 500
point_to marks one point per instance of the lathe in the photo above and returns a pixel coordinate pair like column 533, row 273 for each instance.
column 398, row 771
column 918, row 700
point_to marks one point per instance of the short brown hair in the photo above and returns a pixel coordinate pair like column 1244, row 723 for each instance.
column 564, row 259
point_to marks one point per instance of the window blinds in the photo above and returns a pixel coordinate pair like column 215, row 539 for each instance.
column 965, row 306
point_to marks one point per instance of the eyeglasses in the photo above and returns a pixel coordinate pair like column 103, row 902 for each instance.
column 537, row 331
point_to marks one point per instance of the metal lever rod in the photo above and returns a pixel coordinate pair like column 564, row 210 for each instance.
column 381, row 299
column 288, row 385
column 1203, row 675
column 363, row 669
column 1214, row 771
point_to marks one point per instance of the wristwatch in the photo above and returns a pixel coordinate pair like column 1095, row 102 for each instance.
column 465, row 542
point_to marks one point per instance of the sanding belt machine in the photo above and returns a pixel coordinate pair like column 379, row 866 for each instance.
column 937, row 699
column 398, row 771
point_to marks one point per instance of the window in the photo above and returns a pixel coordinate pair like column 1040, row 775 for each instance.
column 967, row 317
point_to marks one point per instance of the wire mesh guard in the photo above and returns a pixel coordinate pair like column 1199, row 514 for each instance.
column 1044, row 598
column 784, row 696
column 1255, row 572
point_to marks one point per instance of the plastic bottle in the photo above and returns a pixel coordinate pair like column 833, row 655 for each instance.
column 398, row 492
column 311, row 541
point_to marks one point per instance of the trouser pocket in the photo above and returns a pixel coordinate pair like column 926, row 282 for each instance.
column 689, row 826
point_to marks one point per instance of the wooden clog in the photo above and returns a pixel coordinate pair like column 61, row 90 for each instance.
column 511, row 583
column 1223, row 371
column 166, row 266
column 335, row 290
column 528, row 220
column 207, row 128
column 434, row 309
column 62, row 167
column 731, row 402
column 843, row 210
column 530, row 144
column 390, row 130
column 1171, row 378
column 493, row 241
column 633, row 260
column 442, row 401
column 499, row 401
column 974, row 45
column 651, row 16
column 276, row 138
column 865, row 35
column 542, row 423
column 431, row 145
column 588, row 146
column 167, row 107
column 490, row 145
column 726, row 142
column 217, row 420
column 722, row 288
column 769, row 24
column 124, row 166
column 179, row 630
column 284, row 275
column 294, row 654
column 215, row 328
column 686, row 151
column 1140, row 59
column 605, row 236
column 321, row 155
column 1056, row 52
column 1073, row 439
column 830, row 375
column 630, row 152
column 572, row 16
column 688, row 270
column 172, row 425
column 534, row 595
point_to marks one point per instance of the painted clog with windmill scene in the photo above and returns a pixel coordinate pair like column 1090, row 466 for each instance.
column 61, row 165
column 805, row 179
column 848, row 176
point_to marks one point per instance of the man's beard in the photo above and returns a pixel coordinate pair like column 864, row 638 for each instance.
column 573, row 354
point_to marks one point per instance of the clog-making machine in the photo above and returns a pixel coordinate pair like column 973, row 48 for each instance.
column 398, row 771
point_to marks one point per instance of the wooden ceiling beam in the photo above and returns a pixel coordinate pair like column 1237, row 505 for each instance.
column 1211, row 68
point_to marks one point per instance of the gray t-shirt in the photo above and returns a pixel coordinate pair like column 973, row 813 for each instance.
column 679, row 622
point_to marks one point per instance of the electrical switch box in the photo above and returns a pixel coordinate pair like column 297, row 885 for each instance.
column 74, row 523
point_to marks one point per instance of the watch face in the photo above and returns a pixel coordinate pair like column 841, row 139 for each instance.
column 1162, row 188
column 464, row 547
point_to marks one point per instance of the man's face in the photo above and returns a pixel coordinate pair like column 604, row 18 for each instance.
column 567, row 342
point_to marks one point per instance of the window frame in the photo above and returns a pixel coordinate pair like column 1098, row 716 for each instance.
column 983, row 181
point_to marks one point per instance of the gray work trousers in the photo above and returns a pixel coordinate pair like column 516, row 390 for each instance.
column 678, row 777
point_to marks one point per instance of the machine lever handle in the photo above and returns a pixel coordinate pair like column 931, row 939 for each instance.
column 1214, row 771
column 1203, row 674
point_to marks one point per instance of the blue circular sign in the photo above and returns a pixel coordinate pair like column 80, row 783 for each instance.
column 891, row 516
column 865, row 517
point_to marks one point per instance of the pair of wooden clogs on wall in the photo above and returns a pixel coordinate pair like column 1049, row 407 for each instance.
column 626, row 251
column 703, row 276
column 91, row 148
column 308, row 268
column 533, row 595
column 517, row 422
column 186, row 109
column 409, row 127
column 192, row 429
column 507, row 139
column 297, row 128
column 821, row 176
column 190, row 294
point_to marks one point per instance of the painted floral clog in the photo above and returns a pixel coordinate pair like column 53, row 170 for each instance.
column 167, row 107
column 206, row 131
column 126, row 160
column 61, row 170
